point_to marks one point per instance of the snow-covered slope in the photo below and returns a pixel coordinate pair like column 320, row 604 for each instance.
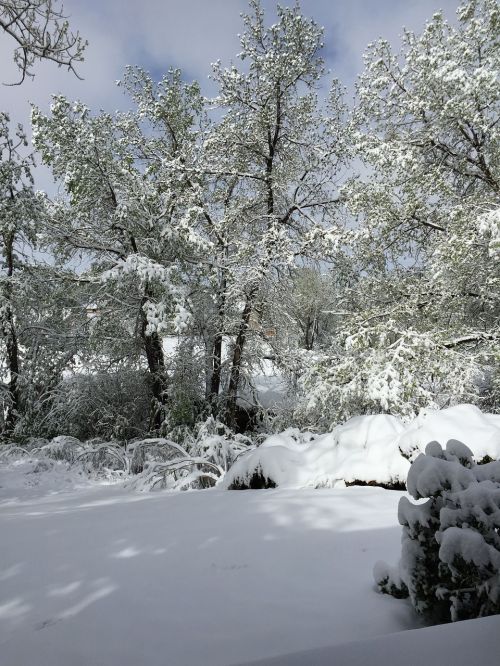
column 458, row 644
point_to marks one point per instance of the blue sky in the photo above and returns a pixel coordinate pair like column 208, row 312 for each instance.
column 190, row 34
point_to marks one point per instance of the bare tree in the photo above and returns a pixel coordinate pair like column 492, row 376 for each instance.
column 41, row 31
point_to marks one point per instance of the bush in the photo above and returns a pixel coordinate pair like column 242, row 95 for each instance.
column 104, row 405
column 450, row 562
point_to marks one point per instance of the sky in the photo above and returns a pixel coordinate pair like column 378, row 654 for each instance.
column 191, row 34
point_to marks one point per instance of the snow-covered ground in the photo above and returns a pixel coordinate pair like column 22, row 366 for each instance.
column 94, row 573
column 105, row 576
column 475, row 642
column 100, row 575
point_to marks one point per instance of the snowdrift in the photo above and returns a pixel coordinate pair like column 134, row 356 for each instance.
column 363, row 450
column 460, row 644
column 479, row 431
column 31, row 478
column 373, row 449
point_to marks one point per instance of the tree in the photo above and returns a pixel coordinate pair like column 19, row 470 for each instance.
column 42, row 32
column 38, row 318
column 129, row 210
column 17, row 205
column 199, row 217
column 450, row 559
column 424, row 328
column 278, row 152
column 434, row 146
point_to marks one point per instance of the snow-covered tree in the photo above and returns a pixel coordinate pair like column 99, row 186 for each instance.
column 38, row 319
column 128, row 211
column 40, row 31
column 192, row 223
column 17, row 207
column 421, row 323
column 279, row 152
column 225, row 220
column 429, row 130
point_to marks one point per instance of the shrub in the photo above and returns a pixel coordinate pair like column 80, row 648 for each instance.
column 450, row 561
column 104, row 405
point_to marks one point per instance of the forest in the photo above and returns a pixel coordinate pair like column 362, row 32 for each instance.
column 197, row 243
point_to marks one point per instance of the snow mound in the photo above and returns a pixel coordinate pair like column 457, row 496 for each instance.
column 373, row 449
column 479, row 431
column 33, row 477
column 363, row 450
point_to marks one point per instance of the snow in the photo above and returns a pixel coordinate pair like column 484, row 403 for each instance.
column 458, row 644
column 32, row 478
column 429, row 475
column 95, row 573
column 362, row 449
column 370, row 448
column 477, row 430
column 106, row 576
column 470, row 545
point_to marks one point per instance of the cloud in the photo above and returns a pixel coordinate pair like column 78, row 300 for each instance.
column 350, row 25
column 190, row 34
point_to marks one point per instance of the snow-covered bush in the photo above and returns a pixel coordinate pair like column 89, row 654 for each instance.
column 199, row 459
column 478, row 430
column 218, row 444
column 113, row 405
column 30, row 476
column 62, row 447
column 188, row 458
column 362, row 450
column 97, row 457
column 383, row 367
column 93, row 458
column 450, row 562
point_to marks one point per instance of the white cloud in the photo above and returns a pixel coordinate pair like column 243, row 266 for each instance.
column 191, row 34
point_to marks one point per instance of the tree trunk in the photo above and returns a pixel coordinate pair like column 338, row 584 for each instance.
column 310, row 333
column 154, row 352
column 156, row 366
column 273, row 138
column 9, row 332
column 216, row 368
column 216, row 360
column 234, row 380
